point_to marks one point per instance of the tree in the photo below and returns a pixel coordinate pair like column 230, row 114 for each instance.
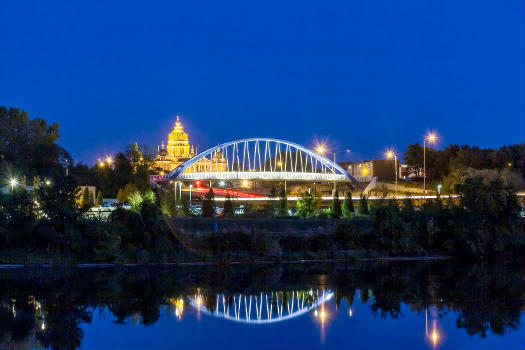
column 167, row 202
column 91, row 199
column 29, row 145
column 184, row 208
column 124, row 194
column 99, row 198
column 306, row 206
column 208, row 204
column 58, row 202
column 135, row 200
column 363, row 205
column 348, row 205
column 84, row 201
column 488, row 210
column 149, row 196
column 18, row 213
column 282, row 209
column 269, row 208
column 336, row 206
column 228, row 207
column 142, row 160
column 414, row 159
column 458, row 176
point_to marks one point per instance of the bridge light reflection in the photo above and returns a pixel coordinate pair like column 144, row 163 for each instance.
column 263, row 307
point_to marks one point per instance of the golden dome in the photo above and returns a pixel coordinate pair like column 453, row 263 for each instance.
column 178, row 134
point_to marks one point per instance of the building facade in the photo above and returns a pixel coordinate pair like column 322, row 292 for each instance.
column 178, row 150
column 364, row 171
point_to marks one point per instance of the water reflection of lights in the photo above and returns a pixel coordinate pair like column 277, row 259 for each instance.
column 265, row 308
column 178, row 303
column 434, row 337
column 350, row 312
column 322, row 315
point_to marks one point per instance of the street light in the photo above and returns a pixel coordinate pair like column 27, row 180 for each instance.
column 390, row 154
column 13, row 182
column 321, row 149
column 431, row 138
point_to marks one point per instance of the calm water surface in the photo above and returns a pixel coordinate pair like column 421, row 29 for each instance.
column 409, row 305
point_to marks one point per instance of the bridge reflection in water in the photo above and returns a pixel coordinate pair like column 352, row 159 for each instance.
column 262, row 308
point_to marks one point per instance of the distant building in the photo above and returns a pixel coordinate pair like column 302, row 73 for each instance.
column 404, row 172
column 178, row 150
column 365, row 170
column 109, row 202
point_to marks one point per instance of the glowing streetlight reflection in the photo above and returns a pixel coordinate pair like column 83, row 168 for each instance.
column 435, row 337
column 322, row 315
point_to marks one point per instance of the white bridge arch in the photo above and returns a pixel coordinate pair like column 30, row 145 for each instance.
column 264, row 308
column 261, row 159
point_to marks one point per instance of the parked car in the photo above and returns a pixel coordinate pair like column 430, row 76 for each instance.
column 109, row 207
column 239, row 210
column 97, row 208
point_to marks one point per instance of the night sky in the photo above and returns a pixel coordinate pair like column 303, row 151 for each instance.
column 361, row 74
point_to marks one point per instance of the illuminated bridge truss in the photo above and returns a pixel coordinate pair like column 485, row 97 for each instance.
column 261, row 159
column 264, row 308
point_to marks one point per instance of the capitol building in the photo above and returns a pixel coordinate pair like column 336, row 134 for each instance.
column 178, row 150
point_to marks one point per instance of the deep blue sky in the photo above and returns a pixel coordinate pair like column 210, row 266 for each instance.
column 362, row 74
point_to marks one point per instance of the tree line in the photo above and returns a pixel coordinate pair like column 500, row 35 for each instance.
column 442, row 163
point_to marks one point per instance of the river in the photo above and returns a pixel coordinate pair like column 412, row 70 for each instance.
column 403, row 305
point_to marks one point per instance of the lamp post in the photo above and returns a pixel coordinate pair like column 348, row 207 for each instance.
column 190, row 193
column 321, row 149
column 431, row 138
column 390, row 155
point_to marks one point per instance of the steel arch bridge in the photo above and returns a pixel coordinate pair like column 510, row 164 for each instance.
column 261, row 159
column 264, row 308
